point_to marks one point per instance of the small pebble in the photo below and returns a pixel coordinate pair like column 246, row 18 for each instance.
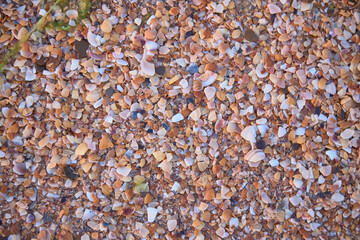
column 160, row 70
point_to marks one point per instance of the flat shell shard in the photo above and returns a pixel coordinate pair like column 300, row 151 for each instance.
column 274, row 9
column 72, row 14
column 147, row 68
column 20, row 168
column 195, row 115
column 208, row 78
column 105, row 142
column 177, row 118
column 347, row 133
column 151, row 212
column 325, row 170
column 30, row 76
column 124, row 171
column 151, row 46
column 260, row 71
column 255, row 156
column 249, row 133
column 171, row 224
column 128, row 211
column 93, row 96
column 210, row 93
column 106, row 26
column 251, row 36
column 301, row 75
column 43, row 142
column 81, row 149
column 92, row 39
column 265, row 198
column 337, row 197
column 295, row 200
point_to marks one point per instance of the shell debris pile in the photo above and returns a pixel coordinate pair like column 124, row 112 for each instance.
column 182, row 120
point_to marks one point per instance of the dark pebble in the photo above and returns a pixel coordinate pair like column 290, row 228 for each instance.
column 272, row 17
column 317, row 110
column 70, row 172
column 188, row 34
column 342, row 114
column 260, row 144
column 81, row 47
column 133, row 115
column 149, row 130
column 167, row 128
column 39, row 68
column 110, row 91
column 295, row 146
column 189, row 100
column 251, row 36
column 47, row 218
column 321, row 195
column 160, row 70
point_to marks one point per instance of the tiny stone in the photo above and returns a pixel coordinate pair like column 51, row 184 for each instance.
column 251, row 36
column 160, row 70
column 81, row 47
column 110, row 91
column 295, row 146
column 261, row 144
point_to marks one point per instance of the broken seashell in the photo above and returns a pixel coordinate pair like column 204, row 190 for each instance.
column 171, row 224
column 208, row 78
column 72, row 14
column 197, row 85
column 249, row 134
column 81, row 149
column 105, row 142
column 210, row 92
column 147, row 68
column 92, row 39
column 20, row 168
column 274, row 9
column 255, row 155
column 260, row 71
column 93, row 96
column 106, row 26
